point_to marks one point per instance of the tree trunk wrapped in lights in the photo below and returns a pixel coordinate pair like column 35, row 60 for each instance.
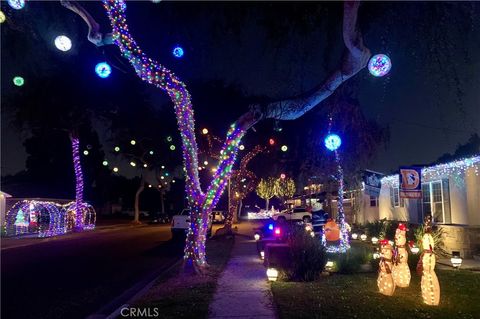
column 201, row 203
column 79, row 218
column 401, row 271
column 242, row 182
column 426, row 263
column 385, row 282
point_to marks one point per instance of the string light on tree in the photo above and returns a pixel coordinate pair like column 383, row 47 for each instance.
column 103, row 70
column 178, row 52
column 133, row 164
column 16, row 4
column 18, row 81
column 63, row 43
column 379, row 65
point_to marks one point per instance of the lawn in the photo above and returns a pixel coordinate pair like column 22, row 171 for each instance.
column 186, row 295
column 356, row 296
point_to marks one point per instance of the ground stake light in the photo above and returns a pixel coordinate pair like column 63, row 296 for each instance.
column 272, row 274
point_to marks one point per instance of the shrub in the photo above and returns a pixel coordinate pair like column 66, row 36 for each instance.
column 378, row 228
column 351, row 261
column 307, row 254
column 437, row 234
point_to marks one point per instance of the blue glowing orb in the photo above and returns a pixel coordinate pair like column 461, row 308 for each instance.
column 16, row 4
column 332, row 142
column 270, row 226
column 379, row 65
column 178, row 52
column 103, row 70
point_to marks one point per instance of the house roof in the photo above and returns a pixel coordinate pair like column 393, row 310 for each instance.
column 5, row 194
column 442, row 170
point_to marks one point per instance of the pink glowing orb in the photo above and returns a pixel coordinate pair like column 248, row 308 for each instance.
column 379, row 65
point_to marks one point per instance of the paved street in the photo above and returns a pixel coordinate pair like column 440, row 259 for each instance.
column 75, row 276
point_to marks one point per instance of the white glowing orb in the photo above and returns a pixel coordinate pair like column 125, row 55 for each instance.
column 16, row 4
column 379, row 65
column 63, row 43
column 2, row 17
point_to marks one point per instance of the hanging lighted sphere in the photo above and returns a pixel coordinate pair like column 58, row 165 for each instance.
column 18, row 81
column 169, row 138
column 271, row 141
column 178, row 52
column 115, row 169
column 85, row 152
column 133, row 142
column 284, row 148
column 151, row 152
column 241, row 147
column 16, row 4
column 172, row 147
column 205, row 131
column 117, row 149
column 103, row 70
column 105, row 163
column 63, row 43
column 283, row 176
column 2, row 17
column 332, row 142
column 379, row 65
column 133, row 164
column 145, row 165
column 205, row 163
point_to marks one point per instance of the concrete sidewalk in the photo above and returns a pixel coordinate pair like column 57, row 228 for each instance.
column 243, row 291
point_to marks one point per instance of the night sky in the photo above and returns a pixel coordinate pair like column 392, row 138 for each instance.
column 430, row 101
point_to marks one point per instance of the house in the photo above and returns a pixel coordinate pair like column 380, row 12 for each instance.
column 450, row 193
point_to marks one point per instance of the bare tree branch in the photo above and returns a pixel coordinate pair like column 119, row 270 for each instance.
column 355, row 58
column 94, row 34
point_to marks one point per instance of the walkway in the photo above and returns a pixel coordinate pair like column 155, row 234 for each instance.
column 243, row 291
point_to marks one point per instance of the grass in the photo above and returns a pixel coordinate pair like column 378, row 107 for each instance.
column 187, row 295
column 356, row 296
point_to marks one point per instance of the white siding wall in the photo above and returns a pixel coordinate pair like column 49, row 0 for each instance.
column 472, row 183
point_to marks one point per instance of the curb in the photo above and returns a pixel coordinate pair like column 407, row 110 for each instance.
column 113, row 308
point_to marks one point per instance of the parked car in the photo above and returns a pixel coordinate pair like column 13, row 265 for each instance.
column 159, row 218
column 218, row 217
column 298, row 213
column 181, row 223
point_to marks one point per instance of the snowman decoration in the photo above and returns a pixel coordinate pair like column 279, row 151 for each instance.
column 400, row 271
column 426, row 265
column 385, row 282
